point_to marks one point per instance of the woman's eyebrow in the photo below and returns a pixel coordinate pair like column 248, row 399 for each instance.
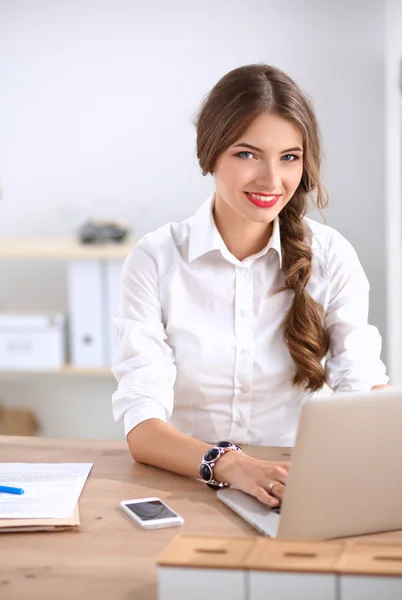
column 248, row 146
column 295, row 149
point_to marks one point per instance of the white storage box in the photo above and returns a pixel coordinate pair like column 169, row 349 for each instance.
column 371, row 572
column 196, row 567
column 32, row 341
column 293, row 570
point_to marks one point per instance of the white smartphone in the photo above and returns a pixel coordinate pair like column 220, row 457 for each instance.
column 151, row 513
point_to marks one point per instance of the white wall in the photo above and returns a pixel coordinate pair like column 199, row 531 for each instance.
column 96, row 107
column 393, row 188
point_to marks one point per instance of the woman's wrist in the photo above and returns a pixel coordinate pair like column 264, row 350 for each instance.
column 226, row 465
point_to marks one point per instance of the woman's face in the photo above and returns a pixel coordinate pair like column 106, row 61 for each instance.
column 257, row 176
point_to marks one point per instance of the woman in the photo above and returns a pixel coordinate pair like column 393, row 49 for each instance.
column 229, row 320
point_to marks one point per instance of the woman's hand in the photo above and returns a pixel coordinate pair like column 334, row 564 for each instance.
column 260, row 478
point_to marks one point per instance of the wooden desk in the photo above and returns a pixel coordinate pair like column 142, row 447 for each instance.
column 110, row 558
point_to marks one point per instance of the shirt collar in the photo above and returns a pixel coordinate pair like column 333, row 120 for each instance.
column 205, row 237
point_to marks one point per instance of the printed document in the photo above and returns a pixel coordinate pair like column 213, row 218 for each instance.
column 51, row 490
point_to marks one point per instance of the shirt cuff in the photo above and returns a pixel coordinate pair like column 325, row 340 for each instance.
column 142, row 411
column 358, row 379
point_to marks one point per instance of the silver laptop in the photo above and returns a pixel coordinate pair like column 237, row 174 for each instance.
column 346, row 471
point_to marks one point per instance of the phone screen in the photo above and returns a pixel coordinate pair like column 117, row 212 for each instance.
column 151, row 510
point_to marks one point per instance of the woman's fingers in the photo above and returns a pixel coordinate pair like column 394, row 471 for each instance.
column 279, row 474
column 266, row 481
column 277, row 489
column 284, row 464
column 264, row 497
column 275, row 481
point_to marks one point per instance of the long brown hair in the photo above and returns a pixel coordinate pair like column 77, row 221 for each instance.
column 225, row 114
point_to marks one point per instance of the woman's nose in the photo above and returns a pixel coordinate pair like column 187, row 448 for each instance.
column 268, row 177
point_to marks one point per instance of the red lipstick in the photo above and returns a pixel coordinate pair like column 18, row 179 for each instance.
column 271, row 199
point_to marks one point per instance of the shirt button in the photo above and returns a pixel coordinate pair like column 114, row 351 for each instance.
column 244, row 389
column 244, row 352
column 243, row 313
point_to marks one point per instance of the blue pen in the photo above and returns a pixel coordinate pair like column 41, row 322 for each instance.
column 11, row 490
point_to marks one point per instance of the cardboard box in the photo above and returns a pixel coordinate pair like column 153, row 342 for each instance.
column 32, row 341
column 195, row 567
column 371, row 572
column 17, row 421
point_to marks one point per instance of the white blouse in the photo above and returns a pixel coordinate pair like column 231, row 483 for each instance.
column 200, row 334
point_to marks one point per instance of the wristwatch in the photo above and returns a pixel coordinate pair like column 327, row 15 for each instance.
column 209, row 461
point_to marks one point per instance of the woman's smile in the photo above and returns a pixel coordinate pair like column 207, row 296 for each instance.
column 262, row 200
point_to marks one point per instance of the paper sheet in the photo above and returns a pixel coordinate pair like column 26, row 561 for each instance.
column 51, row 489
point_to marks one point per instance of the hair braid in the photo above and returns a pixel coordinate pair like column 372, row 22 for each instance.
column 305, row 334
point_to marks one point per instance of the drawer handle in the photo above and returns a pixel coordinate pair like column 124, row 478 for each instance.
column 211, row 550
column 300, row 554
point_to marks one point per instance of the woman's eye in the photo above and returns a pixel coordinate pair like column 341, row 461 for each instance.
column 289, row 157
column 245, row 155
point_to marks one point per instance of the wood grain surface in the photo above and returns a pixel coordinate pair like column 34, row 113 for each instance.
column 110, row 557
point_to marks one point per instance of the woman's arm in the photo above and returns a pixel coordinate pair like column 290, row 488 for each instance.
column 381, row 386
column 145, row 371
column 354, row 363
column 157, row 443
column 144, row 365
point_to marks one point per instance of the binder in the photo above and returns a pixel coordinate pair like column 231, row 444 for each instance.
column 86, row 304
column 113, row 270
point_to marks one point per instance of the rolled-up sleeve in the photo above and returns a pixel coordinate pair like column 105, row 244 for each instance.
column 144, row 365
column 353, row 362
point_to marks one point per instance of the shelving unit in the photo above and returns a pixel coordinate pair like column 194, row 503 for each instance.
column 65, row 249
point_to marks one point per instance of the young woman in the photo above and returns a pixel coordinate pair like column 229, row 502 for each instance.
column 229, row 320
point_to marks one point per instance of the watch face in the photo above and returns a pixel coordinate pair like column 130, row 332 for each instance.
column 211, row 455
column 206, row 472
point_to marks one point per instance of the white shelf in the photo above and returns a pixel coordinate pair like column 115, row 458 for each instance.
column 62, row 249
column 65, row 371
